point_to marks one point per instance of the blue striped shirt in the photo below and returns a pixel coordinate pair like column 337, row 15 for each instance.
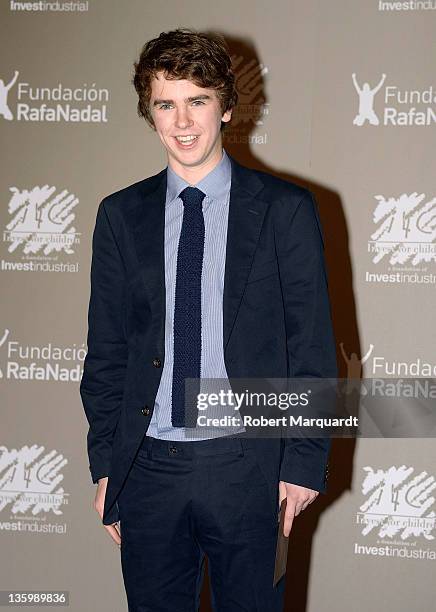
column 216, row 186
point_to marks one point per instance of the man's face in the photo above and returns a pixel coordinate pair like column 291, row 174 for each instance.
column 187, row 119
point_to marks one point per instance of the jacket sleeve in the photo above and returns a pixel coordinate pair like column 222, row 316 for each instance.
column 102, row 383
column 309, row 330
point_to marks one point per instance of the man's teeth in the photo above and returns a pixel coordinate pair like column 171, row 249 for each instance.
column 186, row 138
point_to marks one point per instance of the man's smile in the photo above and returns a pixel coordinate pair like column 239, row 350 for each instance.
column 186, row 142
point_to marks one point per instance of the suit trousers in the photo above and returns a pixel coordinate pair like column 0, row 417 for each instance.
column 186, row 500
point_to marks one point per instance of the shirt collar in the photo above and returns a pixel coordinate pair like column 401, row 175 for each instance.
column 215, row 184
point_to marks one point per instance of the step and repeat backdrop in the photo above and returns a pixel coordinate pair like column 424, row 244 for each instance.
column 337, row 96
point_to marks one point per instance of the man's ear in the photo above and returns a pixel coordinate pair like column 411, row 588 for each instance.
column 227, row 115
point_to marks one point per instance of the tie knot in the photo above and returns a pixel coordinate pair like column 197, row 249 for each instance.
column 192, row 196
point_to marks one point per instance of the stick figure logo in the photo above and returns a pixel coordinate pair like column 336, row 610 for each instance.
column 5, row 111
column 2, row 341
column 366, row 101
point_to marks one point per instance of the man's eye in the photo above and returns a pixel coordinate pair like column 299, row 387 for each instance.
column 165, row 106
column 198, row 102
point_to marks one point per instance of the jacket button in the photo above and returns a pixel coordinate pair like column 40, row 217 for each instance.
column 157, row 362
column 145, row 411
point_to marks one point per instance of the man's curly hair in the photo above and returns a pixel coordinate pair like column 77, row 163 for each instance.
column 184, row 53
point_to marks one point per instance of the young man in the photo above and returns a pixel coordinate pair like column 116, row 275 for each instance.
column 206, row 270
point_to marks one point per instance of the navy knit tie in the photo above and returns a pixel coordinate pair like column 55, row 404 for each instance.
column 187, row 307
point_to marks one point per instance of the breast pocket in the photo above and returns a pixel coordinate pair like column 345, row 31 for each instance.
column 263, row 270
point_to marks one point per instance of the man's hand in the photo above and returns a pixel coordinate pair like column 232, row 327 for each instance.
column 298, row 498
column 114, row 529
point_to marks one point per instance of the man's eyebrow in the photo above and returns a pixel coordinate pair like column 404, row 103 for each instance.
column 190, row 99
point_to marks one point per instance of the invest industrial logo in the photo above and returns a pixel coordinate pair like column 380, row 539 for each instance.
column 397, row 514
column 40, row 235
column 32, row 496
column 250, row 114
column 402, row 243
column 69, row 7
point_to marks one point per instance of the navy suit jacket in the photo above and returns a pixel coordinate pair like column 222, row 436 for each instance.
column 276, row 317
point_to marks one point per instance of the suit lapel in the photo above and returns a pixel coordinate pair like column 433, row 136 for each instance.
column 246, row 214
column 147, row 219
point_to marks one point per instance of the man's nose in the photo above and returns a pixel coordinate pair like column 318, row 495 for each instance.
column 183, row 118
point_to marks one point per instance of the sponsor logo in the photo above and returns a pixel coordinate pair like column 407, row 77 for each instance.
column 31, row 490
column 252, row 108
column 396, row 106
column 406, row 5
column 403, row 244
column 383, row 367
column 53, row 104
column 398, row 511
column 48, row 362
column 43, row 6
column 41, row 233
